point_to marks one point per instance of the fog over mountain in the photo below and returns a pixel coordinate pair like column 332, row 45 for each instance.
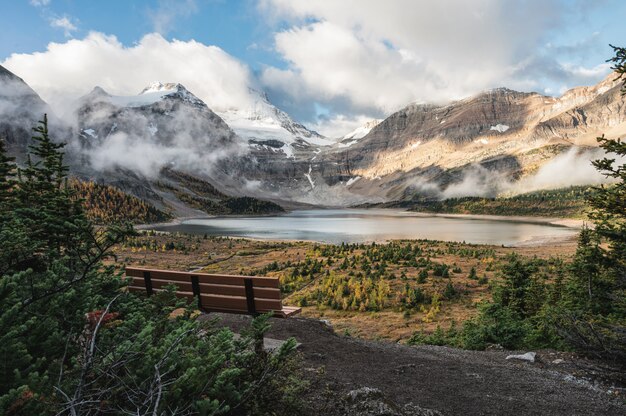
column 163, row 126
column 497, row 142
column 20, row 108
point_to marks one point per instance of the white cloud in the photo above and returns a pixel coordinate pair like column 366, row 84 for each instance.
column 369, row 56
column 66, row 71
column 165, row 15
column 360, row 59
column 63, row 23
column 569, row 168
column 39, row 3
column 338, row 125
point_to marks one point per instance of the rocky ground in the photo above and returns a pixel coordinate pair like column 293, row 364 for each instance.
column 356, row 377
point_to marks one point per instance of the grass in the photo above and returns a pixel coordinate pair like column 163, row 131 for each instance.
column 324, row 279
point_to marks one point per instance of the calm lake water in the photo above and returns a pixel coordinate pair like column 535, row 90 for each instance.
column 365, row 225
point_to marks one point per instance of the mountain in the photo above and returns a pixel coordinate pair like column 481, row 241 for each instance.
column 165, row 146
column 358, row 133
column 262, row 125
column 20, row 108
column 495, row 139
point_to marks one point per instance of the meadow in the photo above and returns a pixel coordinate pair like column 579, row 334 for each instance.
column 375, row 291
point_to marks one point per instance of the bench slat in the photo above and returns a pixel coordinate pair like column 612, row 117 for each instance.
column 217, row 279
column 237, row 302
column 259, row 292
column 160, row 284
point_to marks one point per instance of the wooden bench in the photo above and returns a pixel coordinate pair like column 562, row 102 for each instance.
column 215, row 292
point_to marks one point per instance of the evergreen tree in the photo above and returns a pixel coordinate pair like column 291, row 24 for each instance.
column 598, row 325
column 7, row 174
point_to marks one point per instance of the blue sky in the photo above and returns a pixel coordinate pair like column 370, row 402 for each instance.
column 235, row 26
column 331, row 64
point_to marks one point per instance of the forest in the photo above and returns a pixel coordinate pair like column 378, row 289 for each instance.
column 105, row 204
column 201, row 195
column 561, row 203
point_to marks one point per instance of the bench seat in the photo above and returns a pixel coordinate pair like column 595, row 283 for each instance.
column 215, row 292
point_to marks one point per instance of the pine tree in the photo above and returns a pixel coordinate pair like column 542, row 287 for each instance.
column 7, row 175
column 594, row 316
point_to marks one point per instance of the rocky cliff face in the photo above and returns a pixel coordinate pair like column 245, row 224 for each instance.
column 20, row 109
column 501, row 134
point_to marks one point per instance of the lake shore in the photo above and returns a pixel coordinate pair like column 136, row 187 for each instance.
column 541, row 240
column 561, row 222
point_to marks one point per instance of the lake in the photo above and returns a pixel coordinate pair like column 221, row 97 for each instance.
column 365, row 225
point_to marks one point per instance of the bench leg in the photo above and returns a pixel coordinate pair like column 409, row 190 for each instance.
column 195, row 285
column 250, row 296
column 148, row 283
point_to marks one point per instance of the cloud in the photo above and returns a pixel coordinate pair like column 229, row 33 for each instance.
column 379, row 56
column 572, row 167
column 359, row 59
column 63, row 23
column 478, row 181
column 39, row 3
column 66, row 71
column 165, row 15
column 337, row 126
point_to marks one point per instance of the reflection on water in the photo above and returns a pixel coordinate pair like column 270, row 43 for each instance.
column 361, row 225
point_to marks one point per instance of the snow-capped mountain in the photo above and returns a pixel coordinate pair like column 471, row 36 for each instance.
column 153, row 93
column 263, row 126
column 358, row 133
column 165, row 126
column 495, row 138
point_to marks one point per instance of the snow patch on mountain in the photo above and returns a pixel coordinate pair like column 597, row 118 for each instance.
column 500, row 128
column 361, row 131
column 308, row 176
column 347, row 144
column 264, row 121
column 91, row 132
column 152, row 129
column 352, row 180
column 150, row 95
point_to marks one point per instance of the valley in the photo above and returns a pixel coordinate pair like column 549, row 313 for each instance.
column 385, row 291
column 309, row 207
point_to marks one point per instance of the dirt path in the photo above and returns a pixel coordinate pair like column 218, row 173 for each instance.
column 452, row 381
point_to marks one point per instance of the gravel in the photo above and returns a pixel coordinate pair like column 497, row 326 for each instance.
column 448, row 380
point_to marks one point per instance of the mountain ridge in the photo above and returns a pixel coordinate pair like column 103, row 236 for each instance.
column 496, row 138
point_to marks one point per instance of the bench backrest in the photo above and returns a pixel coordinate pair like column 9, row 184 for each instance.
column 214, row 292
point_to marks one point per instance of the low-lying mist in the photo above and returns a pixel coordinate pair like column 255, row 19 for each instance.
column 571, row 168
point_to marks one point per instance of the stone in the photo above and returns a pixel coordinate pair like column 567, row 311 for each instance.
column 529, row 356
column 368, row 401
